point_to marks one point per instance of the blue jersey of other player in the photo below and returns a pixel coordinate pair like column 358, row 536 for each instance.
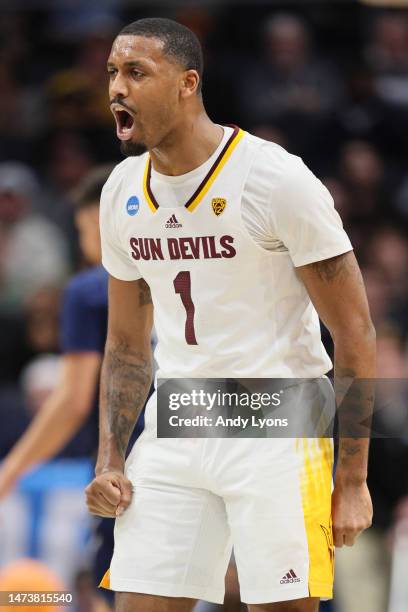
column 85, row 312
column 83, row 329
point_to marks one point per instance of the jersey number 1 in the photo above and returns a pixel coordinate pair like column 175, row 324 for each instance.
column 182, row 286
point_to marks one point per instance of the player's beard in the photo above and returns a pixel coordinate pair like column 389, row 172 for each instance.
column 132, row 149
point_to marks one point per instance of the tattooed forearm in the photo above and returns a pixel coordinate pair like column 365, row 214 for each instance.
column 125, row 382
column 336, row 289
column 354, row 400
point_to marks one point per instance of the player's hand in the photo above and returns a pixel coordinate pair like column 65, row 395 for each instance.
column 109, row 494
column 352, row 512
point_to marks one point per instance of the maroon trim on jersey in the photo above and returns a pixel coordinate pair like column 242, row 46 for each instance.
column 205, row 179
column 149, row 191
column 213, row 167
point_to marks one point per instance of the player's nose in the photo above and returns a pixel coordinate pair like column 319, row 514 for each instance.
column 118, row 87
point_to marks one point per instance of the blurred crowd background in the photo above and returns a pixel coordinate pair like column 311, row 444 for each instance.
column 328, row 81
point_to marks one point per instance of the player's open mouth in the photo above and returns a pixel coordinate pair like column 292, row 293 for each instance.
column 124, row 124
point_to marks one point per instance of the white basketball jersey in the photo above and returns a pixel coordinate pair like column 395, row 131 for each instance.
column 223, row 306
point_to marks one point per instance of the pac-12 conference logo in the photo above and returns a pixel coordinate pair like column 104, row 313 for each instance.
column 218, row 205
column 132, row 205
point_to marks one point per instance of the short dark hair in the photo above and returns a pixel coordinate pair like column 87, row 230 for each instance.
column 88, row 192
column 179, row 42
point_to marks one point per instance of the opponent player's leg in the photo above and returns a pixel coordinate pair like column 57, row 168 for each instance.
column 130, row 602
column 306, row 604
column 102, row 540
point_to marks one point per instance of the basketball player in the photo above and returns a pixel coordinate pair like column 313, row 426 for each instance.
column 237, row 246
column 83, row 332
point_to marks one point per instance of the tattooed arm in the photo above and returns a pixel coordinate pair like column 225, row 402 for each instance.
column 337, row 291
column 125, row 381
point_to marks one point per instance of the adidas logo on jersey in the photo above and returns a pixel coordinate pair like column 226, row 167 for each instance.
column 173, row 223
column 289, row 578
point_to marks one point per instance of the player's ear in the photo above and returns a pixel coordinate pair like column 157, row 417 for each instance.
column 189, row 83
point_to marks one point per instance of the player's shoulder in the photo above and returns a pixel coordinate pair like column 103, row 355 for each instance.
column 273, row 164
column 87, row 285
column 119, row 174
column 274, row 156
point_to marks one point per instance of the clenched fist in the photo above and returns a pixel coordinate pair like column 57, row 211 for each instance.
column 352, row 512
column 109, row 494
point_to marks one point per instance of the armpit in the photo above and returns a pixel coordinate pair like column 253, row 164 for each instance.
column 145, row 296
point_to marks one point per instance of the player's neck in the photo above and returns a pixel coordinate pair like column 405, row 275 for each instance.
column 188, row 147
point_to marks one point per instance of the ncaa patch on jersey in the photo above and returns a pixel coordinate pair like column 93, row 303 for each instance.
column 218, row 205
column 132, row 205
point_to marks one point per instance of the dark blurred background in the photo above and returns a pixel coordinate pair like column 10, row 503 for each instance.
column 326, row 80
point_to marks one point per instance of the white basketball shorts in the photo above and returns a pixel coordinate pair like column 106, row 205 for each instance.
column 196, row 498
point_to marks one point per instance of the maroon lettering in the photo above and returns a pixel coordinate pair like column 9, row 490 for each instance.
column 155, row 248
column 182, row 286
column 195, row 246
column 226, row 243
column 206, row 247
column 213, row 248
column 174, row 250
column 144, row 248
column 204, row 241
column 184, row 243
column 135, row 250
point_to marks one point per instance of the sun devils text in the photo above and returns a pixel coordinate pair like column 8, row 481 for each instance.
column 197, row 247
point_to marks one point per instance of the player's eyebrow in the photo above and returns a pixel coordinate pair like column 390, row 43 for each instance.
column 129, row 63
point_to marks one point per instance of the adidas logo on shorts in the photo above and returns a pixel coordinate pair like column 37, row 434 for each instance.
column 289, row 578
column 172, row 222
